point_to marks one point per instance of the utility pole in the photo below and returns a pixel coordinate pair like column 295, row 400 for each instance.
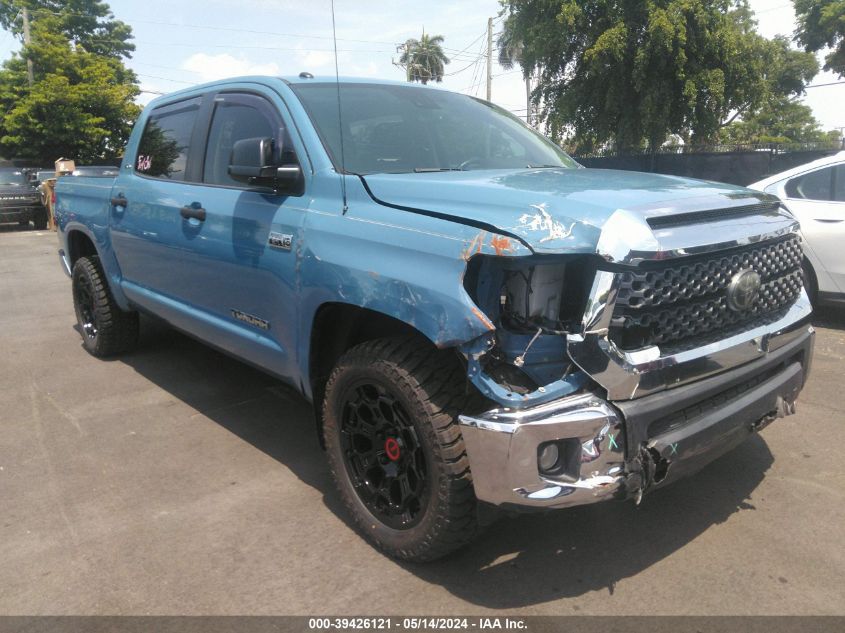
column 406, row 47
column 27, row 40
column 489, row 58
column 528, row 99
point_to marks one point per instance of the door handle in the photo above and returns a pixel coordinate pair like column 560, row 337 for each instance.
column 193, row 211
column 119, row 201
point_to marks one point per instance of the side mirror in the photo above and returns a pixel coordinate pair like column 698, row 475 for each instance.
column 253, row 161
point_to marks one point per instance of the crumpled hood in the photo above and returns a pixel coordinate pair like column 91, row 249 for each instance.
column 555, row 210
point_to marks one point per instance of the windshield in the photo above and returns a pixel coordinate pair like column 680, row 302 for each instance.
column 398, row 129
column 12, row 177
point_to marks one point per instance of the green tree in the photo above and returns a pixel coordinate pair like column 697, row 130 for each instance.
column 821, row 24
column 782, row 120
column 510, row 53
column 81, row 104
column 86, row 23
column 424, row 58
column 633, row 73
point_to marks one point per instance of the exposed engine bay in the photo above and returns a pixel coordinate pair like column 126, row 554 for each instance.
column 534, row 302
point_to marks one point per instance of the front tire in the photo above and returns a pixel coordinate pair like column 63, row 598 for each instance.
column 106, row 329
column 395, row 449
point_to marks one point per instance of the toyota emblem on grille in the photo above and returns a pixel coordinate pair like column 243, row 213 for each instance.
column 743, row 290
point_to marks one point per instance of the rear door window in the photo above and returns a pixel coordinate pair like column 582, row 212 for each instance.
column 816, row 185
column 839, row 184
column 163, row 150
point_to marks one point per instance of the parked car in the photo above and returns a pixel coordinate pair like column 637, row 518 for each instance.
column 815, row 194
column 98, row 171
column 479, row 322
column 39, row 178
column 19, row 199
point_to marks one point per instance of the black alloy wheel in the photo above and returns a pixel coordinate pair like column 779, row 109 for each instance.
column 86, row 306
column 383, row 455
column 105, row 328
column 395, row 447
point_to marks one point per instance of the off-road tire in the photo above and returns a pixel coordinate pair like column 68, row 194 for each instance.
column 430, row 385
column 106, row 329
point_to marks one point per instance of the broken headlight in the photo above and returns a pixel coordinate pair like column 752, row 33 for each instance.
column 533, row 302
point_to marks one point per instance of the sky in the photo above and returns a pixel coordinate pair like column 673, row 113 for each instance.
column 186, row 42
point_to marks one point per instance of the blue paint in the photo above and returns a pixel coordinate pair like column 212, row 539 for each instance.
column 401, row 249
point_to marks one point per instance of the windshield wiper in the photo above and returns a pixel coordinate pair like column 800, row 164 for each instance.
column 422, row 170
column 545, row 167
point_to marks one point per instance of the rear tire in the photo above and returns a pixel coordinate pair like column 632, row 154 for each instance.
column 106, row 329
column 395, row 448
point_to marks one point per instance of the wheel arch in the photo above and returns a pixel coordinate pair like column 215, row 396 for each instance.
column 79, row 241
column 338, row 327
column 79, row 244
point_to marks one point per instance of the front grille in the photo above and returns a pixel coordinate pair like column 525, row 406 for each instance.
column 682, row 305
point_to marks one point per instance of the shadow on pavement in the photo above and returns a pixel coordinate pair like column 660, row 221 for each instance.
column 515, row 563
column 15, row 228
column 830, row 317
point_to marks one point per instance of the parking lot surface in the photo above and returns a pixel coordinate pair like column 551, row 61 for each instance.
column 176, row 480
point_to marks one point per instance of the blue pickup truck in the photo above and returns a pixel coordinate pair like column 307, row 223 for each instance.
column 481, row 324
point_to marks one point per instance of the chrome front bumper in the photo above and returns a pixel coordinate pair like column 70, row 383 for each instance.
column 502, row 447
column 622, row 448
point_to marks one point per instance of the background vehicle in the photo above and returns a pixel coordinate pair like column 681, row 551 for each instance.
column 97, row 171
column 19, row 200
column 39, row 177
column 815, row 194
column 478, row 321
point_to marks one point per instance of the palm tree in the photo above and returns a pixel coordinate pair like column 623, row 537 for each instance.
column 424, row 59
column 511, row 48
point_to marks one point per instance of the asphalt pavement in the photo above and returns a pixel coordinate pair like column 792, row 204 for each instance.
column 176, row 480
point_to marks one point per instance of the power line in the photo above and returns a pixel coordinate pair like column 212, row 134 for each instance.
column 455, row 53
column 509, row 72
column 176, row 81
column 783, row 6
column 832, row 83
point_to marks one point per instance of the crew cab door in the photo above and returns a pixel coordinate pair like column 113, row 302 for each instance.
column 220, row 261
column 817, row 199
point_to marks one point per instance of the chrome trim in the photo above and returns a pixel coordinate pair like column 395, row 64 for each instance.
column 628, row 375
column 502, row 450
column 627, row 238
column 65, row 262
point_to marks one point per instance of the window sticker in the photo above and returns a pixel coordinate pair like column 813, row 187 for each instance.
column 145, row 162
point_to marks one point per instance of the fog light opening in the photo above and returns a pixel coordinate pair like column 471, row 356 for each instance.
column 548, row 458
